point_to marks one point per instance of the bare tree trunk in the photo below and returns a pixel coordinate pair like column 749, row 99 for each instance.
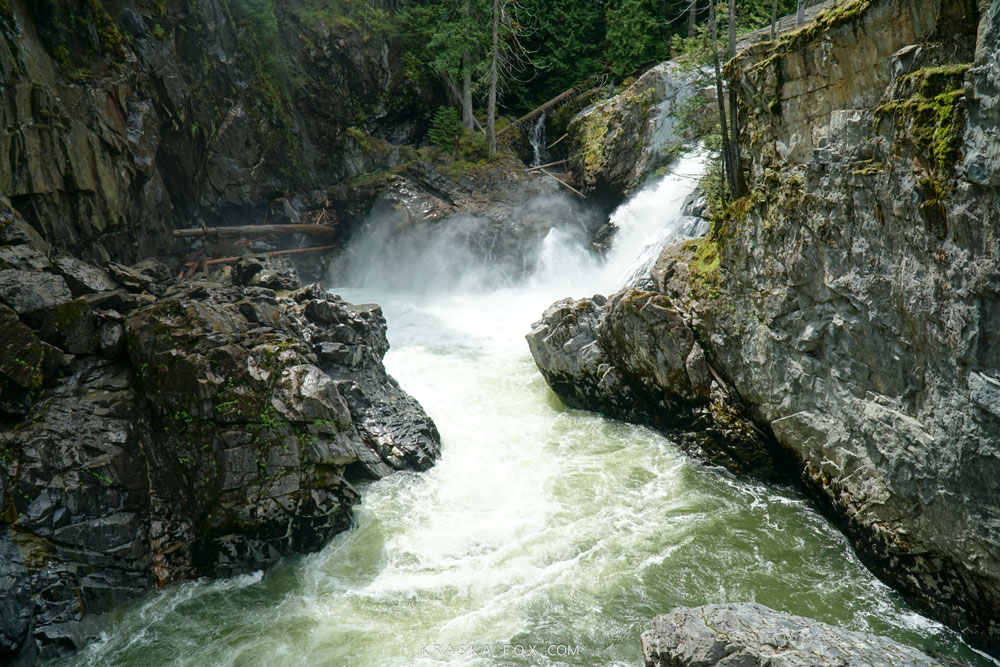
column 720, row 97
column 692, row 17
column 468, row 118
column 739, row 185
column 494, row 78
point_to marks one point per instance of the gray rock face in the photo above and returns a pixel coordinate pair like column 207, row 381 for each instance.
column 982, row 134
column 207, row 430
column 28, row 291
column 751, row 635
column 856, row 307
column 96, row 159
column 633, row 357
column 617, row 143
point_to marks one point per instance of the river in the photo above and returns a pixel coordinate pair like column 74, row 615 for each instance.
column 544, row 536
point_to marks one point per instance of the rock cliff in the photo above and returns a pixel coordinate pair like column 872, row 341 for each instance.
column 155, row 430
column 122, row 120
column 617, row 143
column 852, row 300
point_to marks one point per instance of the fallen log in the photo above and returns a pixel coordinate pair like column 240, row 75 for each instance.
column 564, row 183
column 553, row 144
column 543, row 166
column 561, row 97
column 205, row 262
column 239, row 230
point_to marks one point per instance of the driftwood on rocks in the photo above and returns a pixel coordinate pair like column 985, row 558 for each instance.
column 239, row 230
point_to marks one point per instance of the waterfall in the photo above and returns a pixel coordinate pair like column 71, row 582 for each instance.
column 538, row 141
column 544, row 535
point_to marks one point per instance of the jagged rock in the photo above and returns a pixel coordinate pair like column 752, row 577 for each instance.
column 118, row 299
column 130, row 278
column 15, row 231
column 69, row 326
column 82, row 278
column 27, row 291
column 633, row 357
column 654, row 347
column 25, row 257
column 222, row 441
column 24, row 360
column 982, row 132
column 566, row 350
column 153, row 269
column 751, row 635
column 246, row 269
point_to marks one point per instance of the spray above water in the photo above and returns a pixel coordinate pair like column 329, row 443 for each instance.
column 544, row 536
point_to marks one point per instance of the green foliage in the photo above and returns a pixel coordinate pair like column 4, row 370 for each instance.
column 567, row 46
column 636, row 35
column 446, row 127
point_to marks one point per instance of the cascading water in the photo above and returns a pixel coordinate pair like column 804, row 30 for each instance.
column 544, row 536
column 538, row 141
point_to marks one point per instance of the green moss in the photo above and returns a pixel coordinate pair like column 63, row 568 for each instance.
column 825, row 21
column 931, row 117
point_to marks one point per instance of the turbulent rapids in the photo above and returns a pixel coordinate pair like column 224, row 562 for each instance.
column 544, row 535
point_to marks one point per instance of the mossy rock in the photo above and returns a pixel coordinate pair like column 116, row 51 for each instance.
column 25, row 360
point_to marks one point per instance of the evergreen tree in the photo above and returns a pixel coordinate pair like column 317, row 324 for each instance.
column 636, row 34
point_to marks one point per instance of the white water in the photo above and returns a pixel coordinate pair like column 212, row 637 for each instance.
column 538, row 141
column 540, row 526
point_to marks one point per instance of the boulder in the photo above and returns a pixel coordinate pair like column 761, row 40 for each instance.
column 82, row 278
column 751, row 635
column 633, row 357
column 27, row 291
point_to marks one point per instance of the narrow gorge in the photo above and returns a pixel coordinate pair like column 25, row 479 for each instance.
column 295, row 369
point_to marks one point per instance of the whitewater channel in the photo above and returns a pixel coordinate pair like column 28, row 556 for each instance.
column 544, row 535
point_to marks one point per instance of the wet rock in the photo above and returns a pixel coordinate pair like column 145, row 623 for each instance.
column 153, row 269
column 82, row 278
column 209, row 438
column 27, row 291
column 617, row 143
column 132, row 279
column 854, row 303
column 246, row 269
column 564, row 344
column 69, row 326
column 633, row 357
column 118, row 300
column 750, row 635
column 25, row 361
column 15, row 606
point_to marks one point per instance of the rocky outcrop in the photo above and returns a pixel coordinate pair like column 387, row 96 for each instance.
column 158, row 430
column 634, row 357
column 852, row 300
column 617, row 143
column 123, row 120
column 751, row 635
